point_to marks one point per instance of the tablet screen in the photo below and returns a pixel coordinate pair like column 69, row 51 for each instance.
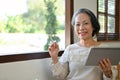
column 97, row 54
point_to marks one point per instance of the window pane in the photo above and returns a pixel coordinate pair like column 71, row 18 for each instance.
column 24, row 25
column 111, row 7
column 102, row 23
column 111, row 25
column 101, row 7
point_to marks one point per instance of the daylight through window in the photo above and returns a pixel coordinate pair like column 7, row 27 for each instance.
column 31, row 25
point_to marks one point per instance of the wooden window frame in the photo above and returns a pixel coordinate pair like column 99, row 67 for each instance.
column 110, row 36
column 69, row 9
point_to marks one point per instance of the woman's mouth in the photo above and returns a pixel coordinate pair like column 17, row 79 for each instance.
column 83, row 33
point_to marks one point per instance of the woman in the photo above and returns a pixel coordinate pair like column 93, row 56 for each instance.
column 71, row 65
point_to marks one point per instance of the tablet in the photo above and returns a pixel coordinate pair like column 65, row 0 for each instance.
column 97, row 54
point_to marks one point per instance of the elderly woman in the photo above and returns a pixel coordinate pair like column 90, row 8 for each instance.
column 71, row 65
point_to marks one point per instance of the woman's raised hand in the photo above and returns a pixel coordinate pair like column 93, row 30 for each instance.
column 53, row 51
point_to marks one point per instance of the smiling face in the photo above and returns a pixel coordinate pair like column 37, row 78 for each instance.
column 83, row 27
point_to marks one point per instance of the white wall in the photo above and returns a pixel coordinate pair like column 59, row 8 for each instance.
column 38, row 69
column 89, row 4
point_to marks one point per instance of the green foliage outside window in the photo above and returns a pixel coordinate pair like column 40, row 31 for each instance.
column 51, row 25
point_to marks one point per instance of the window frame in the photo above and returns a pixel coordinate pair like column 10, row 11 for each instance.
column 110, row 36
column 69, row 9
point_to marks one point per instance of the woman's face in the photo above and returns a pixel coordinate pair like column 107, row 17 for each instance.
column 83, row 27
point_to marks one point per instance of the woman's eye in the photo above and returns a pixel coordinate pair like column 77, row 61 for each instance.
column 77, row 25
column 86, row 23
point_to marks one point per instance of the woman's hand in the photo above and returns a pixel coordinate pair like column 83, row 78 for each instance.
column 105, row 65
column 53, row 51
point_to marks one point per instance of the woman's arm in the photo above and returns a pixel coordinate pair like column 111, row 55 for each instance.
column 59, row 67
column 59, row 70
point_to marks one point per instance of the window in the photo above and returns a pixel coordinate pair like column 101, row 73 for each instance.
column 108, row 16
column 44, row 54
column 25, row 25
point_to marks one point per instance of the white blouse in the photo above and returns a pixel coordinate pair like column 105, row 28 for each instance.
column 71, row 65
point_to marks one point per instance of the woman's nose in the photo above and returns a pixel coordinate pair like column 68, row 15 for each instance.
column 81, row 27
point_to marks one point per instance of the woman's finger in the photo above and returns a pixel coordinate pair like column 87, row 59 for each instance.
column 108, row 61
column 101, row 64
